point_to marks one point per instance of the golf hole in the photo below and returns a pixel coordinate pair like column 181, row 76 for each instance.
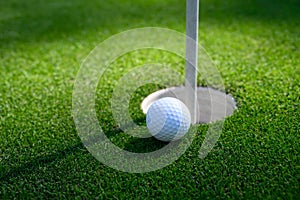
column 212, row 105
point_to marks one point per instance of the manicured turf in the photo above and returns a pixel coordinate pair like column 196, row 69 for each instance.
column 256, row 46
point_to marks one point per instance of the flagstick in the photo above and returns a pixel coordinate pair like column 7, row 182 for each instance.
column 192, row 21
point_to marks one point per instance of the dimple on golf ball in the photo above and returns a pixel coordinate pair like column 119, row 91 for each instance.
column 168, row 119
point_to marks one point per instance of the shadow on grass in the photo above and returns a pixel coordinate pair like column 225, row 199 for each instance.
column 144, row 145
column 133, row 145
column 41, row 161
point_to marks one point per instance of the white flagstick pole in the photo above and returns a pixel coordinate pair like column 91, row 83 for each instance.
column 192, row 22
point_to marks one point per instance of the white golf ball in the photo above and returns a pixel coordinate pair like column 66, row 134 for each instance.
column 168, row 119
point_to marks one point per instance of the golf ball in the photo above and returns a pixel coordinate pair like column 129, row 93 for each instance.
column 168, row 119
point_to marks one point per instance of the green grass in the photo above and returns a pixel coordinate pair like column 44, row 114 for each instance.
column 256, row 46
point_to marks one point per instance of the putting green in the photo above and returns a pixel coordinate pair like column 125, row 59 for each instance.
column 255, row 46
